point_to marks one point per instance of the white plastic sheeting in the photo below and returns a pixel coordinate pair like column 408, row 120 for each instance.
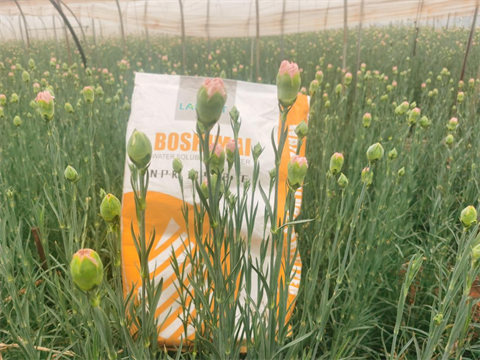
column 216, row 18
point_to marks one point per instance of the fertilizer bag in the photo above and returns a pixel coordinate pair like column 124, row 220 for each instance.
column 163, row 107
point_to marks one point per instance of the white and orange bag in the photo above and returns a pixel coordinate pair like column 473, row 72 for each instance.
column 163, row 107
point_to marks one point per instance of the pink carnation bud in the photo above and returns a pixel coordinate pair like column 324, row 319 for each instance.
column 44, row 96
column 288, row 67
column 424, row 85
column 218, row 149
column 302, row 160
column 454, row 120
column 394, row 83
column 230, row 146
column 213, row 86
column 105, row 71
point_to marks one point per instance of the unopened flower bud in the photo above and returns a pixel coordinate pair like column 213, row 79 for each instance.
column 288, row 83
column 402, row 108
column 69, row 108
column 297, row 169
column 413, row 116
column 110, row 208
column 392, row 154
column 424, row 122
column 401, row 172
column 211, row 98
column 257, row 151
column 88, row 94
column 375, row 152
column 177, row 165
column 449, row 139
column 26, row 76
column 348, row 78
column 452, row 124
column 301, row 129
column 71, row 174
column 367, row 176
column 193, row 174
column 342, row 181
column 336, row 163
column 468, row 217
column 230, row 151
column 139, row 149
column 367, row 119
column 3, row 99
column 217, row 158
column 234, row 114
column 86, row 269
column 460, row 96
column 338, row 89
column 319, row 77
column 31, row 64
column 46, row 105
column 314, row 85
column 17, row 121
column 14, row 98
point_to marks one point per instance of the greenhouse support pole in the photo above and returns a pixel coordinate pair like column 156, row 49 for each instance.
column 417, row 27
column 359, row 41
column 184, row 49
column 68, row 45
column 345, row 40
column 76, row 19
column 121, row 26
column 282, row 23
column 146, row 27
column 326, row 16
column 469, row 44
column 55, row 33
column 94, row 34
column 75, row 38
column 448, row 21
column 24, row 22
column 21, row 32
column 257, row 70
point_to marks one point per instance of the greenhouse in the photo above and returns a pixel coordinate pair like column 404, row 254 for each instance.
column 239, row 179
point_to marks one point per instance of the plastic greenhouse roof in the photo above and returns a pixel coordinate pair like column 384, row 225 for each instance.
column 216, row 18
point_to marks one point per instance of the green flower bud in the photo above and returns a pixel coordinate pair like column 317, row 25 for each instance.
column 193, row 174
column 401, row 172
column 211, row 98
column 424, row 122
column 110, row 208
column 413, row 116
column 375, row 152
column 460, row 97
column 392, row 154
column 86, row 269
column 31, row 64
column 314, row 85
column 273, row 174
column 288, row 83
column 338, row 89
column 336, row 163
column 14, row 98
column 17, row 121
column 327, row 104
column 402, row 108
column 297, row 169
column 71, row 174
column 301, row 130
column 33, row 104
column 348, row 79
column 99, row 92
column 139, row 149
column 367, row 176
column 342, row 181
column 26, row 76
column 69, row 108
column 319, row 77
column 204, row 186
column 367, row 119
column 468, row 217
column 257, row 151
column 234, row 114
column 3, row 99
column 126, row 106
column 177, row 165
column 223, row 75
column 88, row 94
column 438, row 318
column 449, row 139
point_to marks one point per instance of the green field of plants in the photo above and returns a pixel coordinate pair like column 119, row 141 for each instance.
column 388, row 235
